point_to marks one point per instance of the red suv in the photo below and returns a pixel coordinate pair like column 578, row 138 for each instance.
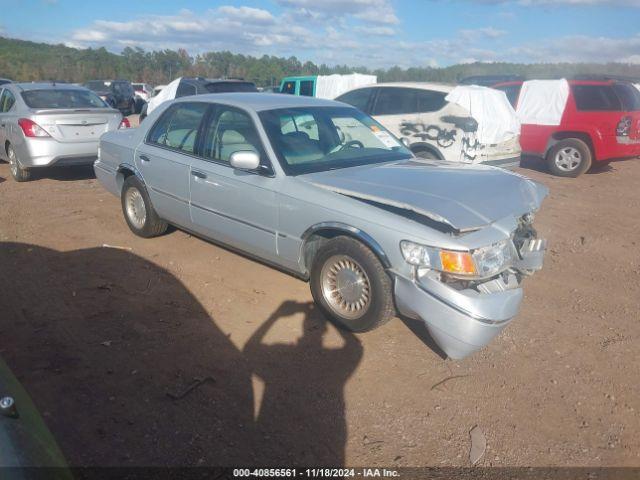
column 601, row 122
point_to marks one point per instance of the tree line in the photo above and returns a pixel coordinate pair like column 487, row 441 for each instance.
column 22, row 60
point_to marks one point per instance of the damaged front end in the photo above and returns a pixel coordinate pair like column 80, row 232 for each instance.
column 466, row 298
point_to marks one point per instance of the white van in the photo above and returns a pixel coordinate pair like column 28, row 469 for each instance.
column 466, row 124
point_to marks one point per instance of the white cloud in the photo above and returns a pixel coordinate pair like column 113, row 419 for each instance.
column 374, row 11
column 580, row 48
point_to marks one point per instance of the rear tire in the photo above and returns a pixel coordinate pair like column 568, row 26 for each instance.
column 569, row 158
column 138, row 210
column 351, row 286
column 18, row 172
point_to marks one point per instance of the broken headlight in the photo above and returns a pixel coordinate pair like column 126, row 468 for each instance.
column 479, row 263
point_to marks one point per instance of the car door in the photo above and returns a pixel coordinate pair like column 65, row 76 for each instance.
column 3, row 121
column 7, row 101
column 164, row 159
column 236, row 207
column 416, row 115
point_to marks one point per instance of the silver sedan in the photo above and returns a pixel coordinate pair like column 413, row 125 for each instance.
column 47, row 124
column 322, row 190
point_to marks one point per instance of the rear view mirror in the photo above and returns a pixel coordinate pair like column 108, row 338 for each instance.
column 245, row 160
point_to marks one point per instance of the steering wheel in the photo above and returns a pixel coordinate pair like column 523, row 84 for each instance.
column 351, row 144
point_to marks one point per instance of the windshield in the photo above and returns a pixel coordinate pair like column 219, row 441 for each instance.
column 98, row 86
column 227, row 87
column 316, row 139
column 62, row 99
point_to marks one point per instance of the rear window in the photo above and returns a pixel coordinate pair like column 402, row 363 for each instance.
column 227, row 87
column 629, row 95
column 306, row 88
column 62, row 99
column 596, row 98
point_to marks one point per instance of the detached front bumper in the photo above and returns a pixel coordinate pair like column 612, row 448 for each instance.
column 462, row 322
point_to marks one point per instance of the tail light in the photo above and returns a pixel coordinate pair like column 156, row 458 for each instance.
column 624, row 127
column 32, row 129
column 125, row 123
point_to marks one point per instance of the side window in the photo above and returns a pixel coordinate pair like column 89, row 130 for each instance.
column 629, row 95
column 395, row 101
column 185, row 89
column 230, row 131
column 430, row 101
column 6, row 101
column 289, row 87
column 306, row 88
column 592, row 98
column 178, row 127
column 302, row 124
column 357, row 98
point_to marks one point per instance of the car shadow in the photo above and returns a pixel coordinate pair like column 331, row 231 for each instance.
column 64, row 174
column 127, row 368
column 539, row 165
column 419, row 329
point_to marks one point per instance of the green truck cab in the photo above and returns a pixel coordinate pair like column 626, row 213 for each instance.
column 303, row 86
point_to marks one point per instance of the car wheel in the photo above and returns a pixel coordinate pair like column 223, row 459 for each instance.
column 18, row 172
column 351, row 286
column 425, row 153
column 138, row 211
column 569, row 158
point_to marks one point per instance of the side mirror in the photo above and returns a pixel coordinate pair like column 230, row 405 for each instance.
column 245, row 160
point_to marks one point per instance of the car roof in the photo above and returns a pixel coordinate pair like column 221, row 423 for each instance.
column 258, row 101
column 45, row 86
column 214, row 80
column 570, row 81
column 438, row 87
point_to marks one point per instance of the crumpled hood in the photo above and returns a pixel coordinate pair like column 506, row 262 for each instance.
column 466, row 197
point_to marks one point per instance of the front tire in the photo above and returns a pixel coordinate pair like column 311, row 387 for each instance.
column 138, row 210
column 18, row 172
column 425, row 154
column 351, row 286
column 569, row 158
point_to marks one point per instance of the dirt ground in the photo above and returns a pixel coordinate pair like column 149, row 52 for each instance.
column 174, row 351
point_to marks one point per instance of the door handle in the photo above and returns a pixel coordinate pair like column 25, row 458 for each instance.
column 198, row 174
column 144, row 158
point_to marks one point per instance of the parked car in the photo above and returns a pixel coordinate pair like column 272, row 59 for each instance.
column 25, row 442
column 117, row 93
column 322, row 190
column 595, row 121
column 143, row 92
column 4, row 80
column 43, row 125
column 435, row 128
column 184, row 86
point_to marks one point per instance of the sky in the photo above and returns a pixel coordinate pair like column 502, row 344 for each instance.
column 372, row 33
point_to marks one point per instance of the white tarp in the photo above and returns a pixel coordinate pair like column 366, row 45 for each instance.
column 637, row 85
column 330, row 86
column 497, row 121
column 542, row 102
column 166, row 94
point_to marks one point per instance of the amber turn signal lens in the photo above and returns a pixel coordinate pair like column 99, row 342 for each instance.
column 460, row 263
